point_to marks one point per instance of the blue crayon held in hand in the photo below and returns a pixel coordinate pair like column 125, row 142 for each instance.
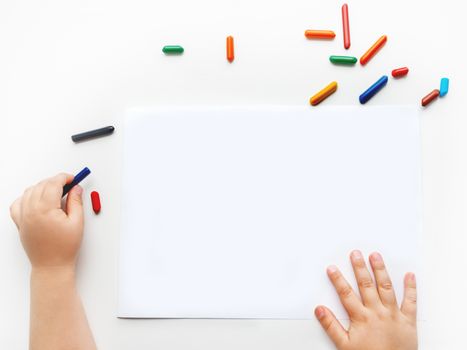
column 76, row 180
column 373, row 89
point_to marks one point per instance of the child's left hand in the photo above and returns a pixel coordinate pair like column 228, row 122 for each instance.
column 50, row 235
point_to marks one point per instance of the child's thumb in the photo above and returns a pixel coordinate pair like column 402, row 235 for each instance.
column 74, row 204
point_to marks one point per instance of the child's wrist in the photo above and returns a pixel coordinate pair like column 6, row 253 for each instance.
column 54, row 273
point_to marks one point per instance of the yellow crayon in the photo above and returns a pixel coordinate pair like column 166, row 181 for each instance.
column 323, row 94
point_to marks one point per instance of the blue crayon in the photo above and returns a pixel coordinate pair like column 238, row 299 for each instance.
column 444, row 87
column 373, row 89
column 76, row 180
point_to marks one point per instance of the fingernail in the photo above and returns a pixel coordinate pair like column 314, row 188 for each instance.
column 376, row 257
column 319, row 312
column 411, row 276
column 332, row 269
column 356, row 254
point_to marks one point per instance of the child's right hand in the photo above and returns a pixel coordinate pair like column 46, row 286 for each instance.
column 376, row 322
column 50, row 235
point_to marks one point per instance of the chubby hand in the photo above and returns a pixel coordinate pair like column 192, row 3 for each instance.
column 376, row 321
column 50, row 235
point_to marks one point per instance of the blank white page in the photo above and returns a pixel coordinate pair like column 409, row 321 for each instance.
column 237, row 212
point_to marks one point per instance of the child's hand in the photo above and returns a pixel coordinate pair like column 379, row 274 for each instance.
column 50, row 236
column 376, row 322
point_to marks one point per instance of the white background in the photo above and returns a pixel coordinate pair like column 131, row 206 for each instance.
column 68, row 66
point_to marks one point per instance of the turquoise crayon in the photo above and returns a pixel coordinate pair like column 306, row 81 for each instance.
column 444, row 87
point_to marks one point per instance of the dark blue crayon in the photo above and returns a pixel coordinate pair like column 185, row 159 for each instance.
column 76, row 180
column 373, row 89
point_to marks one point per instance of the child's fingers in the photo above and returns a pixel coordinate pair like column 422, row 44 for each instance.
column 37, row 191
column 74, row 204
column 15, row 211
column 61, row 179
column 366, row 286
column 332, row 326
column 54, row 189
column 25, row 201
column 409, row 304
column 347, row 296
column 383, row 281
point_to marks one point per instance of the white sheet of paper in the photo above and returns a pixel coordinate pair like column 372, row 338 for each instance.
column 237, row 212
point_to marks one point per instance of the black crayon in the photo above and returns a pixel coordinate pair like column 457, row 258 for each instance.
column 93, row 134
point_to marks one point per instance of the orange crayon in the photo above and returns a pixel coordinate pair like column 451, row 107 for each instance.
column 320, row 34
column 230, row 48
column 373, row 50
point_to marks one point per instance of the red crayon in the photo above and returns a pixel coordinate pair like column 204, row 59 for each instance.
column 400, row 72
column 345, row 25
column 96, row 202
column 430, row 97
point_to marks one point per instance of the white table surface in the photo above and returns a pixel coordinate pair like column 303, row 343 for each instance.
column 68, row 66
